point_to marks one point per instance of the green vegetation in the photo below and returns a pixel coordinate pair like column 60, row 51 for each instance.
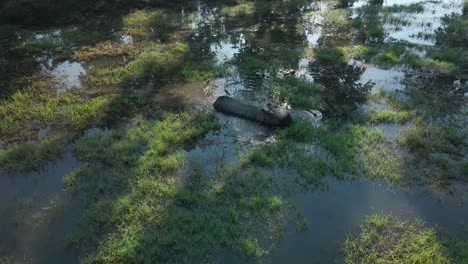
column 38, row 107
column 369, row 24
column 161, row 215
column 251, row 248
column 352, row 151
column 242, row 9
column 357, row 52
column 389, row 116
column 455, row 32
column 427, row 63
column 385, row 239
column 328, row 55
column 438, row 147
column 31, row 156
column 150, row 22
column 273, row 57
column 411, row 8
column 298, row 93
column 152, row 63
column 108, row 49
column 196, row 71
column 57, row 42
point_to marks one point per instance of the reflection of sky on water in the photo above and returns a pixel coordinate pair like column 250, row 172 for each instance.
column 412, row 27
column 225, row 50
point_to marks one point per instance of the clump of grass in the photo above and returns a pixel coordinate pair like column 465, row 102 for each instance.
column 161, row 216
column 242, row 9
column 38, row 106
column 338, row 17
column 298, row 93
column 344, row 151
column 150, row 22
column 388, row 116
column 149, row 64
column 27, row 157
column 105, row 48
column 251, row 248
column 385, row 239
column 357, row 52
column 197, row 71
column 459, row 250
column 425, row 139
column 272, row 58
column 438, row 147
column 411, row 8
column 454, row 34
column 58, row 43
column 329, row 55
column 427, row 63
column 393, row 55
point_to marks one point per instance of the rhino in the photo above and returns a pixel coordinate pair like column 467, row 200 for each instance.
column 239, row 108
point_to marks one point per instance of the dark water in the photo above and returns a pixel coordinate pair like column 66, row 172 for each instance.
column 37, row 215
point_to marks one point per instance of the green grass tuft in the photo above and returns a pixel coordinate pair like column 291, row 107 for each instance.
column 385, row 239
column 389, row 117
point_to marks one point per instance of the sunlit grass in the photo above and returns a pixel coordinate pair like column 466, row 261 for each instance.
column 150, row 22
column 342, row 151
column 388, row 116
column 385, row 239
column 149, row 64
column 242, row 9
column 160, row 215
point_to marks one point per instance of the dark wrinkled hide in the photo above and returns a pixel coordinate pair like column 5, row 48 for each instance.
column 236, row 107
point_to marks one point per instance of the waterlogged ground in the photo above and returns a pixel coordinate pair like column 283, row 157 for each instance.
column 111, row 151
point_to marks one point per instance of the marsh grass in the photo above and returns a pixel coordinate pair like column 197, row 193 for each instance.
column 163, row 215
column 196, row 71
column 153, row 63
column 106, row 49
column 27, row 157
column 298, row 93
column 439, row 147
column 239, row 10
column 340, row 151
column 151, row 22
column 58, row 44
column 385, row 239
column 411, row 8
column 388, row 116
column 272, row 57
column 39, row 106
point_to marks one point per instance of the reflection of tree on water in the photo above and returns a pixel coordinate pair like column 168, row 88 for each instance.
column 343, row 91
column 437, row 96
column 369, row 22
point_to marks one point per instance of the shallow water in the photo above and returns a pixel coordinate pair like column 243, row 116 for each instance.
column 339, row 210
column 68, row 75
column 37, row 215
column 413, row 26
